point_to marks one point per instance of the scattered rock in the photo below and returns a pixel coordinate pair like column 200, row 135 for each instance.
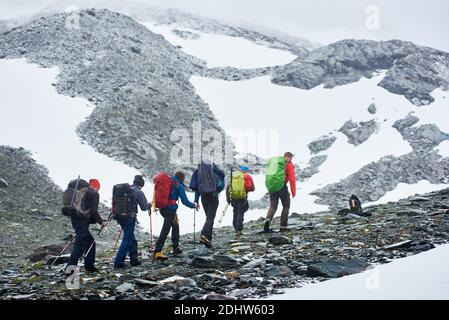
column 278, row 239
column 125, row 287
column 3, row 183
column 372, row 108
column 279, row 271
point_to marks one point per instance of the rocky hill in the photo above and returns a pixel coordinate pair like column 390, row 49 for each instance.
column 30, row 210
column 137, row 80
column 413, row 71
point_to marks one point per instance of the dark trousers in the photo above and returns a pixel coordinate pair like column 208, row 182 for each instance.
column 83, row 241
column 240, row 206
column 284, row 195
column 129, row 242
column 210, row 206
column 170, row 222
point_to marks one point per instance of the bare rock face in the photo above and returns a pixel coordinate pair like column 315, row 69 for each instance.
column 138, row 82
column 358, row 133
column 321, row 144
column 347, row 61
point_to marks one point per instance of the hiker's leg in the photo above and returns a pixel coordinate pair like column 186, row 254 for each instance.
column 285, row 199
column 133, row 253
column 175, row 232
column 274, row 201
column 89, row 260
column 205, row 202
column 234, row 218
column 168, row 222
column 211, row 216
column 124, row 245
column 240, row 215
column 80, row 228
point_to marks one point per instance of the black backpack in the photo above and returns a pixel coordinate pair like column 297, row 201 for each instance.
column 355, row 204
column 74, row 199
column 122, row 201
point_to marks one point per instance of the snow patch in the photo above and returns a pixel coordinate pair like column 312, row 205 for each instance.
column 404, row 190
column 443, row 149
column 224, row 51
column 422, row 276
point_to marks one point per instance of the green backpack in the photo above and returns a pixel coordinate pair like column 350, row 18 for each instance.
column 238, row 186
column 275, row 174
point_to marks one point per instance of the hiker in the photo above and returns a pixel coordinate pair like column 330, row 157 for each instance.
column 237, row 196
column 280, row 171
column 177, row 191
column 128, row 224
column 355, row 206
column 207, row 181
column 81, row 221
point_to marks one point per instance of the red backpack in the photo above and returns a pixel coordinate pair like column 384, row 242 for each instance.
column 162, row 187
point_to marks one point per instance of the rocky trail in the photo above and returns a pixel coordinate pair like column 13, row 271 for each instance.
column 316, row 248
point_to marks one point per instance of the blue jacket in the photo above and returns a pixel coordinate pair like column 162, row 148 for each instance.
column 179, row 192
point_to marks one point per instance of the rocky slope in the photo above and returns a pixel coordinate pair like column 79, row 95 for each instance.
column 413, row 71
column 318, row 247
column 30, row 209
column 138, row 82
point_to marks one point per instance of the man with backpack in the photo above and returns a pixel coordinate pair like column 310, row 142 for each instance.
column 237, row 196
column 84, row 200
column 279, row 172
column 207, row 182
column 133, row 198
column 169, row 206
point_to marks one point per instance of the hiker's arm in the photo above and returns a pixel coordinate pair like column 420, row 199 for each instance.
column 182, row 194
column 291, row 178
column 197, row 196
column 142, row 201
column 95, row 200
column 228, row 193
column 249, row 183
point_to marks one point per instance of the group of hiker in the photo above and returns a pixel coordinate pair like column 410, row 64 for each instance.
column 81, row 202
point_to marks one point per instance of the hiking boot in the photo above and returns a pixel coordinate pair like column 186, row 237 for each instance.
column 159, row 256
column 266, row 226
column 206, row 241
column 135, row 263
column 91, row 269
column 119, row 265
column 176, row 251
column 284, row 229
column 238, row 233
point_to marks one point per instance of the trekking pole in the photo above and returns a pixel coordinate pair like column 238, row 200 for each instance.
column 115, row 246
column 93, row 242
column 194, row 227
column 70, row 241
column 102, row 227
column 227, row 205
column 150, row 248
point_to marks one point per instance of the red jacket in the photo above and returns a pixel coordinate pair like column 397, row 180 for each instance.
column 290, row 177
column 249, row 183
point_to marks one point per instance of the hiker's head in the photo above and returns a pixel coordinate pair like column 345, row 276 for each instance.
column 288, row 156
column 180, row 175
column 138, row 181
column 94, row 184
column 244, row 169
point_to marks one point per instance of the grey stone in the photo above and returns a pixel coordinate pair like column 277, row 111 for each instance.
column 125, row 287
column 279, row 271
column 3, row 183
column 372, row 108
column 278, row 239
column 335, row 269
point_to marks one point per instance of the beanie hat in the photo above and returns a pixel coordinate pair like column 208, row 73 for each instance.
column 138, row 181
column 94, row 183
column 244, row 168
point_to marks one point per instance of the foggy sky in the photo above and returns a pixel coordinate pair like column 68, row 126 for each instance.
column 323, row 21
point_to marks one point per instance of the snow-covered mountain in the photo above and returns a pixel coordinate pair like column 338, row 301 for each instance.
column 363, row 117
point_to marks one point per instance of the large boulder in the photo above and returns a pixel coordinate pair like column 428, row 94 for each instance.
column 336, row 269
